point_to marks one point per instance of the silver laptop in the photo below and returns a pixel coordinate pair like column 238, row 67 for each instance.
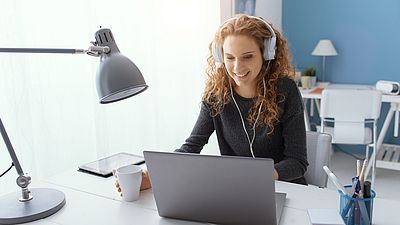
column 215, row 189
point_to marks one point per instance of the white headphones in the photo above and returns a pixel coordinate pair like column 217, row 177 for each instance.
column 269, row 44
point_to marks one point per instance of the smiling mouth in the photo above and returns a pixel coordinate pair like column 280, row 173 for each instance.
column 242, row 75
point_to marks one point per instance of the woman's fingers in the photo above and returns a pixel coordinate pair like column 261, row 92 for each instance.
column 117, row 183
column 145, row 180
column 118, row 186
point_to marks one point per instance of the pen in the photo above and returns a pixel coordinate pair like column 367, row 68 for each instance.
column 335, row 180
column 367, row 194
column 352, row 207
column 355, row 187
column 367, row 189
column 365, row 206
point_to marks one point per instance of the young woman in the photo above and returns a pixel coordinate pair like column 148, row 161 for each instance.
column 250, row 100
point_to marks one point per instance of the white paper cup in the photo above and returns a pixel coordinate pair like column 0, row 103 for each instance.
column 130, row 179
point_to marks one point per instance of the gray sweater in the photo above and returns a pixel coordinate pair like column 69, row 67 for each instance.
column 286, row 145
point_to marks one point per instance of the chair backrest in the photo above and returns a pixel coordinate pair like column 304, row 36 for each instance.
column 349, row 109
column 350, row 104
column 318, row 155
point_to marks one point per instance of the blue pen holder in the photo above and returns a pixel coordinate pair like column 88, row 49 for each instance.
column 356, row 211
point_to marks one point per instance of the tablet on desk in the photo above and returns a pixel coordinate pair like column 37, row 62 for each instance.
column 103, row 167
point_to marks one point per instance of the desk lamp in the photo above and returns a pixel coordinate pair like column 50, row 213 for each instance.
column 117, row 78
column 324, row 48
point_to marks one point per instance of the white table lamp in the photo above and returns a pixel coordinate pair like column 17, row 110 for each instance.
column 324, row 48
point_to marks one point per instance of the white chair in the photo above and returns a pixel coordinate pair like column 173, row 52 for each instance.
column 351, row 111
column 318, row 155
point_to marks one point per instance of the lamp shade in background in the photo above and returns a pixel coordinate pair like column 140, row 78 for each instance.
column 324, row 48
column 117, row 77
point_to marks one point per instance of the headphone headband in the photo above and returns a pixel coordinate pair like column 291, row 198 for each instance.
column 269, row 43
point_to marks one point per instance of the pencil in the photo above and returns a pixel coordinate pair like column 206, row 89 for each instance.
column 362, row 179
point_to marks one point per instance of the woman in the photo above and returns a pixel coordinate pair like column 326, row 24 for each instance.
column 250, row 99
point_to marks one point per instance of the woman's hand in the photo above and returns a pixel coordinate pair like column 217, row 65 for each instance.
column 276, row 175
column 143, row 186
column 145, row 180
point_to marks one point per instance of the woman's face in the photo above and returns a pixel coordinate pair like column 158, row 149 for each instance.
column 243, row 60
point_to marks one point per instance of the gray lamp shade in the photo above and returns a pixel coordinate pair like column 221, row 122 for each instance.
column 118, row 78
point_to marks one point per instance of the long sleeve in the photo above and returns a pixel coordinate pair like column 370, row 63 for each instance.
column 294, row 163
column 201, row 132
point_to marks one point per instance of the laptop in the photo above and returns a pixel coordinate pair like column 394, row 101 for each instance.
column 214, row 189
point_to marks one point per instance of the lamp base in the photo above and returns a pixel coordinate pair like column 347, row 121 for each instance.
column 45, row 202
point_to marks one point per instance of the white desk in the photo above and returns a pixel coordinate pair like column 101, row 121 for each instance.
column 93, row 200
column 394, row 100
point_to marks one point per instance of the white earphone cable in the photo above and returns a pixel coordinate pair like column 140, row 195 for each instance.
column 241, row 116
column 243, row 124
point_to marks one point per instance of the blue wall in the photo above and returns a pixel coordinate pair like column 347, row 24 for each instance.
column 365, row 33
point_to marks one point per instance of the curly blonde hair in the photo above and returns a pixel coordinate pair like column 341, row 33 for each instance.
column 217, row 90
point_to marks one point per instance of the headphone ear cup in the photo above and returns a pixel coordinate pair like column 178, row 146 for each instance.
column 269, row 48
column 216, row 51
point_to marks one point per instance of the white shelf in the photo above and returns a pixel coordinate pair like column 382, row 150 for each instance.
column 389, row 157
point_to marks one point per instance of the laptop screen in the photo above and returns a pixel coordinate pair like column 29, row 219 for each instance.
column 216, row 189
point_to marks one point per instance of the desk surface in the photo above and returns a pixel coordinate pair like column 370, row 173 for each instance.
column 94, row 200
column 307, row 93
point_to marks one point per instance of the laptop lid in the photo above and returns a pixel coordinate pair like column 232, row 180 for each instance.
column 216, row 189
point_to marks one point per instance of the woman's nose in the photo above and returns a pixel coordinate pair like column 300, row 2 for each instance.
column 237, row 66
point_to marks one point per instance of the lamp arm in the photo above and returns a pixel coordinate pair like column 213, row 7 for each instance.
column 23, row 180
column 10, row 149
column 43, row 50
column 92, row 50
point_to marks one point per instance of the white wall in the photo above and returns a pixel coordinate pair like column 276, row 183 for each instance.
column 49, row 104
column 271, row 10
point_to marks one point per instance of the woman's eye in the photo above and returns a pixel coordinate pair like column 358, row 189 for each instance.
column 248, row 56
column 230, row 58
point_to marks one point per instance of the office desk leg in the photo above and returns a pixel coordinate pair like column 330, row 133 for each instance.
column 385, row 127
column 311, row 108
column 317, row 103
column 312, row 102
column 396, row 122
